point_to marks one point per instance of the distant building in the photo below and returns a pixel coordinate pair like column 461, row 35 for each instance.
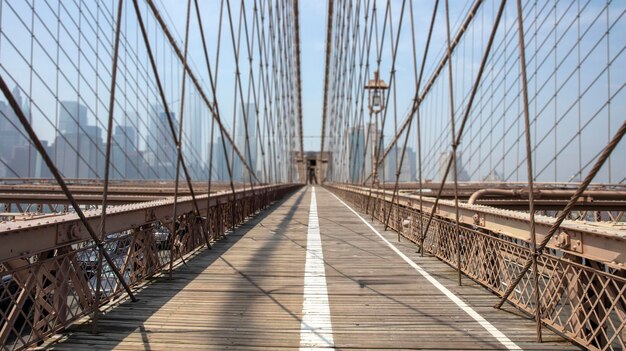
column 371, row 142
column 18, row 160
column 219, row 166
column 249, row 152
column 161, row 150
column 411, row 158
column 409, row 167
column 72, row 116
column 41, row 169
column 356, row 157
column 78, row 150
column 194, row 129
column 493, row 176
column 127, row 161
column 462, row 175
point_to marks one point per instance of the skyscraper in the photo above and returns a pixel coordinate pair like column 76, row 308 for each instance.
column 220, row 168
column 462, row 175
column 371, row 141
column 247, row 146
column 72, row 116
column 161, row 154
column 124, row 153
column 78, row 147
column 392, row 161
column 18, row 161
column 356, row 147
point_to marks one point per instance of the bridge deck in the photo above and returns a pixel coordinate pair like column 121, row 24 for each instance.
column 248, row 293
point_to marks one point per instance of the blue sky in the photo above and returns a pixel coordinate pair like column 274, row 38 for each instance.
column 313, row 46
column 578, row 27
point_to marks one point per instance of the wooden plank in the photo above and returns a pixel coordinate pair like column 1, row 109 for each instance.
column 378, row 301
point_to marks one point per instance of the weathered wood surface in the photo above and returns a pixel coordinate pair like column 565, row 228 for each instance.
column 247, row 294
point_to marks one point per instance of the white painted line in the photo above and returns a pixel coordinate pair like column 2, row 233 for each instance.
column 316, row 330
column 503, row 339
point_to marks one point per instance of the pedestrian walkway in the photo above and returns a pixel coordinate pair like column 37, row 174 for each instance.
column 310, row 273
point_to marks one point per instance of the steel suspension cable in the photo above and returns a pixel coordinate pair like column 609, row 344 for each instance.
column 415, row 101
column 467, row 109
column 433, row 78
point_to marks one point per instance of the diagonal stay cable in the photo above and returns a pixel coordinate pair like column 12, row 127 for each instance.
column 529, row 168
column 296, row 14
column 415, row 101
column 392, row 75
column 454, row 145
column 216, row 111
column 238, row 87
column 179, row 156
column 157, row 77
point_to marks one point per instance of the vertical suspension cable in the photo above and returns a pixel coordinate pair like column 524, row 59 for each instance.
column 468, row 108
column 105, row 188
column 529, row 165
column 454, row 148
column 329, row 32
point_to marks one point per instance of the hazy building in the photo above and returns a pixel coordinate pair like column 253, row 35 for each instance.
column 194, row 128
column 41, row 170
column 462, row 175
column 161, row 150
column 493, row 176
column 79, row 155
column 356, row 157
column 72, row 116
column 9, row 138
column 246, row 142
column 371, row 142
column 409, row 166
column 125, row 156
column 220, row 166
column 18, row 158
column 78, row 149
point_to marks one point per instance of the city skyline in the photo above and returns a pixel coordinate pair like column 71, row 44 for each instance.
column 55, row 88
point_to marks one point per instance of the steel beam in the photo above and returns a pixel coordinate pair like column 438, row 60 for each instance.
column 329, row 32
column 28, row 237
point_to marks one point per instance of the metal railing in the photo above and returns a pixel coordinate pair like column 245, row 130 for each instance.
column 581, row 299
column 45, row 291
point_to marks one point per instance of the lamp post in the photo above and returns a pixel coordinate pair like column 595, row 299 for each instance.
column 376, row 93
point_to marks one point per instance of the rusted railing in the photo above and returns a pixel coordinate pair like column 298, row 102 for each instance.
column 582, row 299
column 45, row 290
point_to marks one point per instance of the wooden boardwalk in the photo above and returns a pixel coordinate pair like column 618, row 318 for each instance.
column 248, row 293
